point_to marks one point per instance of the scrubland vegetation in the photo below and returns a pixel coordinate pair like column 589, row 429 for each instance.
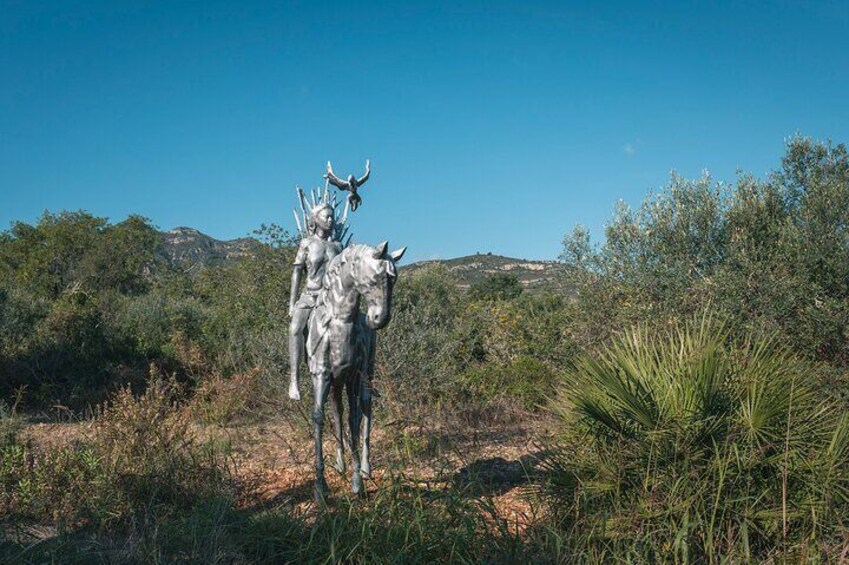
column 686, row 394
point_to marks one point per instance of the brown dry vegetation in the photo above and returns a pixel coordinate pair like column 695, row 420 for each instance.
column 260, row 460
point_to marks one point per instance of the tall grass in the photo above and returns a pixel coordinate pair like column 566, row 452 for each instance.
column 686, row 445
column 140, row 458
column 142, row 487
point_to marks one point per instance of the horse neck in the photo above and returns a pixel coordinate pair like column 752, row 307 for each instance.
column 340, row 294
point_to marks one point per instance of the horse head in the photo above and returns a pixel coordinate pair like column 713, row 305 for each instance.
column 375, row 279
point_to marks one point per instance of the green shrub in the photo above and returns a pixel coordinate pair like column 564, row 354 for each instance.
column 144, row 325
column 496, row 287
column 769, row 253
column 423, row 347
column 525, row 380
column 685, row 445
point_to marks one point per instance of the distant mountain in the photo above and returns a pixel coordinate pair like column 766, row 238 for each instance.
column 191, row 248
column 534, row 276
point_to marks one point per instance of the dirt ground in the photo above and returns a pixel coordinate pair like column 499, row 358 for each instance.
column 273, row 459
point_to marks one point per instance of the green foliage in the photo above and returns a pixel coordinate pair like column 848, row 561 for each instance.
column 55, row 278
column 496, row 287
column 86, row 305
column 771, row 253
column 418, row 353
column 702, row 441
column 143, row 487
column 685, row 444
column 146, row 325
column 446, row 349
column 248, row 325
column 525, row 380
column 77, row 251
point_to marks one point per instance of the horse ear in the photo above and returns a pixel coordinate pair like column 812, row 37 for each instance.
column 397, row 254
column 380, row 250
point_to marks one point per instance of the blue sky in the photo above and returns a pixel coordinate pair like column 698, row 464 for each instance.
column 491, row 126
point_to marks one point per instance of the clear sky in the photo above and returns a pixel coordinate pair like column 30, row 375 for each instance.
column 491, row 126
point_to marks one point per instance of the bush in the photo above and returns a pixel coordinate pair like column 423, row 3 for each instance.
column 247, row 326
column 145, row 325
column 421, row 350
column 142, row 458
column 496, row 287
column 219, row 400
column 771, row 253
column 57, row 278
column 682, row 443
column 525, row 381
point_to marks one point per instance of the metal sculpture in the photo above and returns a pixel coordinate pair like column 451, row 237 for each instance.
column 322, row 238
column 329, row 326
column 351, row 185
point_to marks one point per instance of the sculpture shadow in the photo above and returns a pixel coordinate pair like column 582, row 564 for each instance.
column 290, row 496
column 495, row 476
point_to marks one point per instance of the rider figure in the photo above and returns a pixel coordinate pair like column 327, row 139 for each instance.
column 314, row 253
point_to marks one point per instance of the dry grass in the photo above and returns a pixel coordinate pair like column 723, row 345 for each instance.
column 157, row 465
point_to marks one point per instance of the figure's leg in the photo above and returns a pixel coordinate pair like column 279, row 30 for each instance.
column 321, row 387
column 354, row 421
column 296, row 348
column 336, row 411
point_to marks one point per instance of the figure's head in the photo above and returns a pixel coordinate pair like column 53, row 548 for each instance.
column 375, row 279
column 322, row 217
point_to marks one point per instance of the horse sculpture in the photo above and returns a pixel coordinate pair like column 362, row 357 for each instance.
column 340, row 349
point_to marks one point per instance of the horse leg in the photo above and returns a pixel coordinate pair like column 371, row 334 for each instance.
column 365, row 404
column 336, row 411
column 354, row 421
column 365, row 401
column 321, row 386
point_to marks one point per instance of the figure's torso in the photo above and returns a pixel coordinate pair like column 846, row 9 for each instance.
column 319, row 252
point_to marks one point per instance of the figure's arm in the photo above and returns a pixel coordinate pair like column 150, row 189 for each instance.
column 297, row 274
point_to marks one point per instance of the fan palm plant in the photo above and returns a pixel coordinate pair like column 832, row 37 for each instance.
column 690, row 443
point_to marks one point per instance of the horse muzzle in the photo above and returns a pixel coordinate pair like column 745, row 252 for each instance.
column 377, row 320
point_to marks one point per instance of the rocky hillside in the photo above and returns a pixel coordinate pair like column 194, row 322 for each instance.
column 532, row 275
column 190, row 248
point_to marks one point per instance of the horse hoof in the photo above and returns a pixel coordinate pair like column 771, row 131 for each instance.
column 357, row 484
column 294, row 393
column 365, row 470
column 320, row 492
column 340, row 468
